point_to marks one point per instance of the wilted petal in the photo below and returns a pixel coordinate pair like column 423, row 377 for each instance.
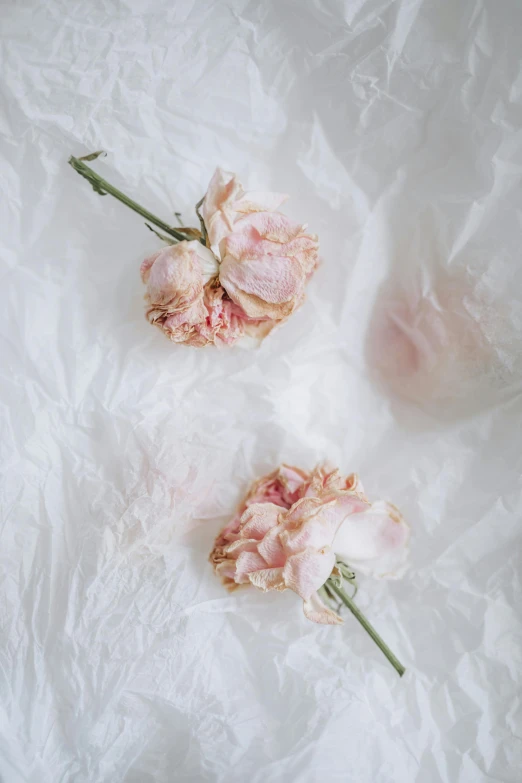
column 316, row 611
column 258, row 310
column 226, row 569
column 246, row 563
column 306, row 572
column 174, row 278
column 268, row 579
column 236, row 548
column 313, row 522
column 208, row 262
column 273, row 279
column 273, row 226
column 258, row 519
column 260, row 201
column 271, row 549
column 374, row 541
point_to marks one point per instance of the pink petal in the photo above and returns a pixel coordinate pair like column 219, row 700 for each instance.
column 236, row 548
column 271, row 278
column 260, row 201
column 374, row 541
column 308, row 571
column 271, row 548
column 175, row 277
column 316, row 611
column 247, row 563
column 268, row 579
column 313, row 522
column 270, row 225
column 258, row 519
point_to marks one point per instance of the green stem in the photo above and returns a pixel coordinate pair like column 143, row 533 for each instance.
column 347, row 601
column 102, row 187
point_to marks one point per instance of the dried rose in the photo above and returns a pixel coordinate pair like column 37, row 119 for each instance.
column 292, row 525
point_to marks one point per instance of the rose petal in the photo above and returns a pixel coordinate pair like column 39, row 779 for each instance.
column 308, row 571
column 274, row 279
column 268, row 579
column 260, row 201
column 374, row 541
column 246, row 563
column 234, row 549
column 313, row 522
column 271, row 549
column 316, row 611
column 175, row 277
column 270, row 225
column 226, row 569
column 258, row 519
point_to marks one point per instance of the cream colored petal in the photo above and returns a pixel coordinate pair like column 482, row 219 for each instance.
column 316, row 611
column 268, row 579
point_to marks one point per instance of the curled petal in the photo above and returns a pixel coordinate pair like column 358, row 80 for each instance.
column 226, row 570
column 314, row 523
column 273, row 226
column 306, row 572
column 246, row 563
column 173, row 277
column 271, row 278
column 260, row 201
column 268, row 579
column 316, row 611
column 236, row 548
column 374, row 541
column 258, row 519
column 271, row 548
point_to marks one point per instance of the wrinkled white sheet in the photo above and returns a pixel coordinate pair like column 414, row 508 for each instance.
column 396, row 128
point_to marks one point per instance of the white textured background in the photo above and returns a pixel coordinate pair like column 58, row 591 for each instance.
column 396, row 128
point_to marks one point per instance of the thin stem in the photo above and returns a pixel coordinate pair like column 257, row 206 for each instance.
column 204, row 235
column 102, row 187
column 347, row 601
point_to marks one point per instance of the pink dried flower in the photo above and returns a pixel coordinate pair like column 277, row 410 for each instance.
column 292, row 525
column 250, row 278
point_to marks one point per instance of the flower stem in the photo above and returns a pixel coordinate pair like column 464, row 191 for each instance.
column 347, row 601
column 103, row 187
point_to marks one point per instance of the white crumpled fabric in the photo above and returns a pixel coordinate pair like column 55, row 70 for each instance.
column 396, row 129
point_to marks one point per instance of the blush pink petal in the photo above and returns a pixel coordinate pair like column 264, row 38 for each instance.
column 271, row 549
column 237, row 548
column 173, row 277
column 258, row 519
column 273, row 226
column 307, row 571
column 272, row 279
column 226, row 202
column 246, row 563
column 316, row 611
column 374, row 541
